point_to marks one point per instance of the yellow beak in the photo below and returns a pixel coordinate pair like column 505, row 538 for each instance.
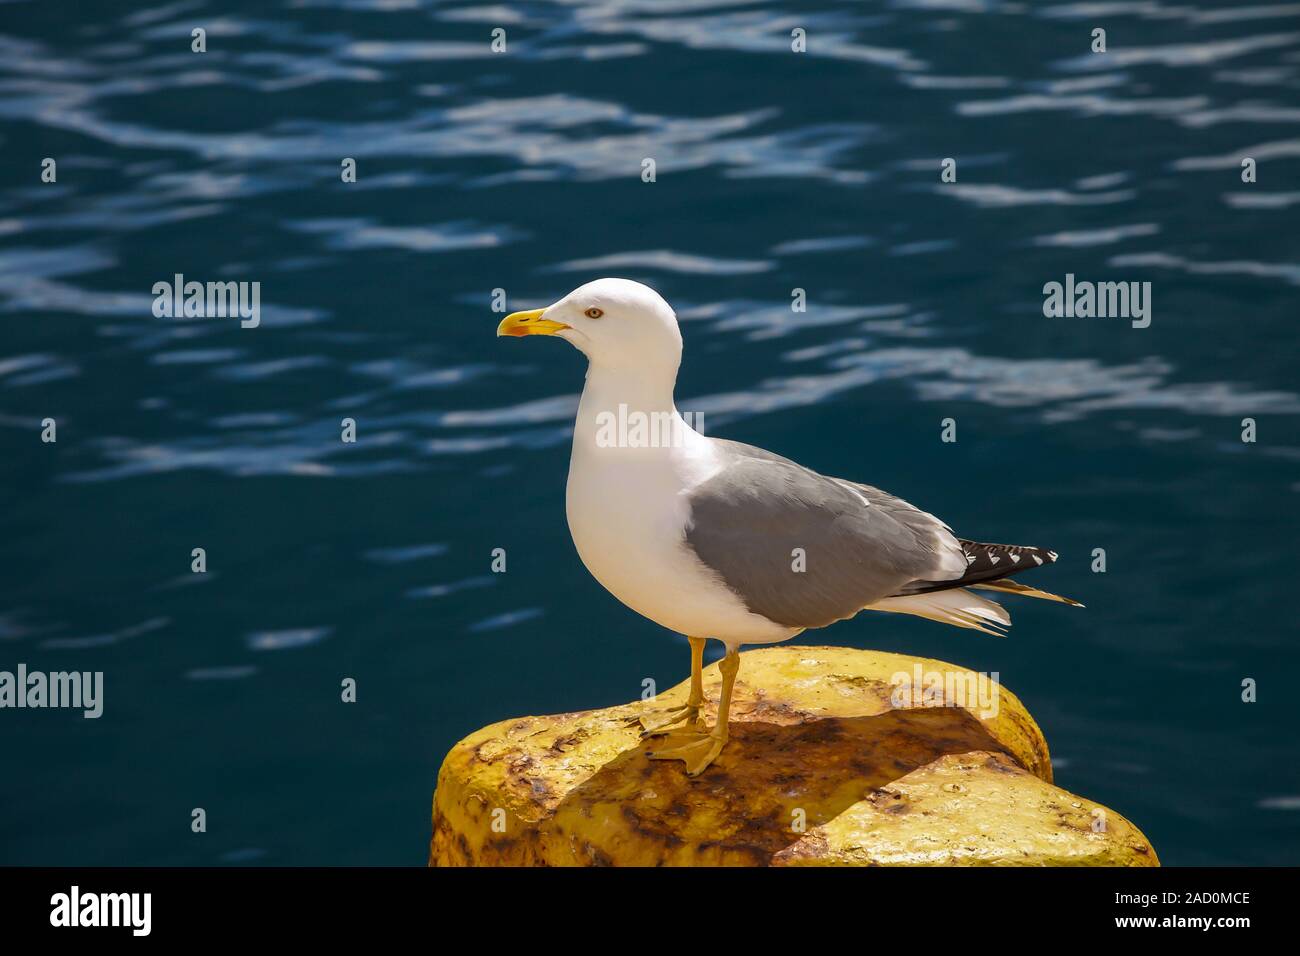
column 528, row 323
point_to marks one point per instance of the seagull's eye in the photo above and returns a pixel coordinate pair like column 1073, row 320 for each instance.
column 593, row 313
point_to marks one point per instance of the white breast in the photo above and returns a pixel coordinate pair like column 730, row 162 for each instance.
column 628, row 510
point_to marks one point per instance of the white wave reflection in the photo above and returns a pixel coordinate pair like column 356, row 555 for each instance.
column 23, row 370
column 285, row 640
column 1096, row 237
column 1056, row 390
column 1178, row 54
column 665, row 260
column 105, row 640
column 1088, row 105
column 405, row 553
column 508, row 619
column 1260, row 152
column 998, row 196
column 442, row 237
column 1286, row 271
column 1262, row 200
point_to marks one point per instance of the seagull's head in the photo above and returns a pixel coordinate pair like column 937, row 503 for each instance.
column 616, row 323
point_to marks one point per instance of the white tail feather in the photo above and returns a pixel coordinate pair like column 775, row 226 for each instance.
column 956, row 606
column 1024, row 590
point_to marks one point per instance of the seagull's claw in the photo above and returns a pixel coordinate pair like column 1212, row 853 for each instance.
column 698, row 750
column 662, row 723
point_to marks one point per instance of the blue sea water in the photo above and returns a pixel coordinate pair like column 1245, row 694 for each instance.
column 521, row 171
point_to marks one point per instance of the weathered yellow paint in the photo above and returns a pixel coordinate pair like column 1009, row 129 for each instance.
column 974, row 809
column 822, row 768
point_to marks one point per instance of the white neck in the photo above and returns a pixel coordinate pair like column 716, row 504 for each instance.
column 620, row 394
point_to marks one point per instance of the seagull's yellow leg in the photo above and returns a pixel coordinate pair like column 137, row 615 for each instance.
column 698, row 750
column 689, row 714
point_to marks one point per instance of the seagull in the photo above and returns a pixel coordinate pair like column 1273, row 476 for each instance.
column 714, row 538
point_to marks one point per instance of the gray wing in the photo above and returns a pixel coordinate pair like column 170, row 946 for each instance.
column 747, row 521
